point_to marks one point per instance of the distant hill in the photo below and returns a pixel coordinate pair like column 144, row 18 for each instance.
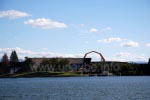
column 138, row 62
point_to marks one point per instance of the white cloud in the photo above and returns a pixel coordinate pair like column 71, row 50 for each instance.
column 45, row 49
column 147, row 45
column 86, row 42
column 123, row 54
column 126, row 56
column 45, row 23
column 124, row 42
column 109, row 40
column 13, row 14
column 130, row 43
column 93, row 30
column 82, row 25
column 23, row 53
column 106, row 28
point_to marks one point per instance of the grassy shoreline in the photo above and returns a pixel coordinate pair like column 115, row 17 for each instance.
column 52, row 74
column 42, row 74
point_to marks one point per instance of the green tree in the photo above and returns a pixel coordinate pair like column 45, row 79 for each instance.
column 14, row 59
column 149, row 61
column 27, row 64
column 125, row 68
column 4, row 64
column 54, row 62
column 63, row 63
column 45, row 62
column 38, row 69
column 5, row 58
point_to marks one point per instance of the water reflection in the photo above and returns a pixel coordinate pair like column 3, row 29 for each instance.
column 76, row 88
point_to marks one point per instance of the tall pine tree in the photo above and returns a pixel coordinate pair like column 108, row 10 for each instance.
column 14, row 57
column 5, row 64
column 14, row 60
column 5, row 58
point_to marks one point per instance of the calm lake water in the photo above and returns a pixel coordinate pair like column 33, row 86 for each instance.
column 76, row 88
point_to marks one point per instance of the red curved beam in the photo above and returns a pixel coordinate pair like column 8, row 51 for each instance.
column 102, row 58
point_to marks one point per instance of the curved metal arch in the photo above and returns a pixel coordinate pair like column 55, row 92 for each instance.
column 101, row 56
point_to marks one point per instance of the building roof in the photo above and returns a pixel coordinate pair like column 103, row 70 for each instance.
column 37, row 61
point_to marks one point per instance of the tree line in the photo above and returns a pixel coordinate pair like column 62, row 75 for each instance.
column 6, row 63
column 123, row 68
column 12, row 63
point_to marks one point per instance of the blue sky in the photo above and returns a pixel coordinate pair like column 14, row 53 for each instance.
column 119, row 29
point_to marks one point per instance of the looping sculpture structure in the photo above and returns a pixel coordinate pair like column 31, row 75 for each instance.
column 101, row 56
column 104, row 71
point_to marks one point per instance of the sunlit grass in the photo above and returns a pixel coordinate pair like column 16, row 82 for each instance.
column 44, row 74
